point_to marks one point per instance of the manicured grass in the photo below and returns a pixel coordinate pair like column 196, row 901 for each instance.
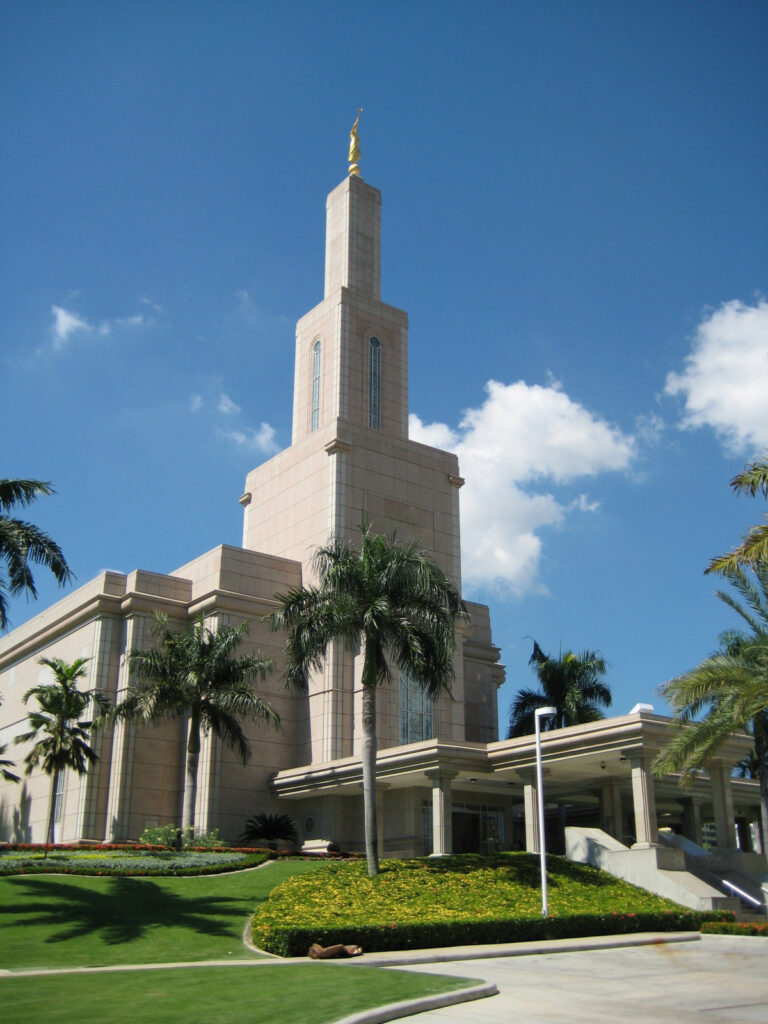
column 71, row 921
column 282, row 994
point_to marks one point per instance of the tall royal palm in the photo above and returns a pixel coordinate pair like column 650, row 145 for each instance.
column 393, row 600
column 58, row 732
column 23, row 544
column 731, row 687
column 194, row 673
column 571, row 683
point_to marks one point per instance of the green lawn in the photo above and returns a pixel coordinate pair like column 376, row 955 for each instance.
column 316, row 993
column 72, row 921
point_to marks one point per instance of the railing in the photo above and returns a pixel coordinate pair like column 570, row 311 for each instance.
column 744, row 895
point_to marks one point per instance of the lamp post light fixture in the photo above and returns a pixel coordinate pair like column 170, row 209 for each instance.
column 539, row 713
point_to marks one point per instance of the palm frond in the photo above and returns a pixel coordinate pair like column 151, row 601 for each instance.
column 22, row 492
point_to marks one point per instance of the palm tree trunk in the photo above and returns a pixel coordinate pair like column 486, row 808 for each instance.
column 369, row 778
column 190, row 780
column 52, row 809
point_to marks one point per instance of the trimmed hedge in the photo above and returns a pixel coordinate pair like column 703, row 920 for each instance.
column 295, row 941
column 735, row 928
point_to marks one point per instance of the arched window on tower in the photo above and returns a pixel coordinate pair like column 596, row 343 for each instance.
column 416, row 711
column 315, row 415
column 374, row 383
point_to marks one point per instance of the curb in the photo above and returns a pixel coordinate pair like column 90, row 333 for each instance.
column 393, row 1011
column 575, row 945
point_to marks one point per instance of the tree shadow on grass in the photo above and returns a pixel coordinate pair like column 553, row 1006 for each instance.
column 124, row 912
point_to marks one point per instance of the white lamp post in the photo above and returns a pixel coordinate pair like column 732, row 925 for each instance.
column 539, row 713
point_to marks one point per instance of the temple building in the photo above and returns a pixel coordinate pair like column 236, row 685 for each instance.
column 445, row 782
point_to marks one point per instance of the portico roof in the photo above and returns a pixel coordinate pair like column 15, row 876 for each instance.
column 576, row 757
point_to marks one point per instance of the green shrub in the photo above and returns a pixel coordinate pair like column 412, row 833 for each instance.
column 456, row 900
column 735, row 928
column 292, row 941
column 165, row 835
column 270, row 828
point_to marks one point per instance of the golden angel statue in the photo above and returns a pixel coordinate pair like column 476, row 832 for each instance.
column 354, row 145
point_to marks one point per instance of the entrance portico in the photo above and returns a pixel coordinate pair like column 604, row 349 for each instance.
column 600, row 773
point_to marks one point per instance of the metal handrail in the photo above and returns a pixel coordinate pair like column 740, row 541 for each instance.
column 744, row 895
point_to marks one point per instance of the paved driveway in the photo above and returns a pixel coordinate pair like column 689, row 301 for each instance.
column 720, row 979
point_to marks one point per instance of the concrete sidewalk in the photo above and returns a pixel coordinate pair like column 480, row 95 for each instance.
column 721, row 979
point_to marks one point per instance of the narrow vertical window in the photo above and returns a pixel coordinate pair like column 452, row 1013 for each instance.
column 416, row 711
column 58, row 798
column 374, row 383
column 315, row 418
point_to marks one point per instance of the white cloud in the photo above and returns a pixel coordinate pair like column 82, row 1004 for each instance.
column 725, row 380
column 195, row 403
column 521, row 436
column 436, row 435
column 66, row 323
column 227, row 406
column 262, row 440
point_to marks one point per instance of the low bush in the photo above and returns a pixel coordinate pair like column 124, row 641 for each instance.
column 165, row 835
column 457, row 901
column 735, row 928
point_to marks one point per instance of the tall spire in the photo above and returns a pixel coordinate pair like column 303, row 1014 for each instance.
column 354, row 146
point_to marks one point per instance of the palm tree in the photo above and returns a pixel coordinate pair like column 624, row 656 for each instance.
column 753, row 550
column 570, row 683
column 731, row 686
column 194, row 673
column 22, row 543
column 60, row 735
column 393, row 600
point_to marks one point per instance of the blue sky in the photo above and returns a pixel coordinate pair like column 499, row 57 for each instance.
column 574, row 218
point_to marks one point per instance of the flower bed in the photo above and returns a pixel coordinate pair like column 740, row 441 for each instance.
column 124, row 859
column 457, row 901
column 735, row 928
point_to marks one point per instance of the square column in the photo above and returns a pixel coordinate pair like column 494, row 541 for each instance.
column 643, row 799
column 691, row 819
column 531, row 809
column 756, row 819
column 722, row 803
column 442, row 826
column 611, row 809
